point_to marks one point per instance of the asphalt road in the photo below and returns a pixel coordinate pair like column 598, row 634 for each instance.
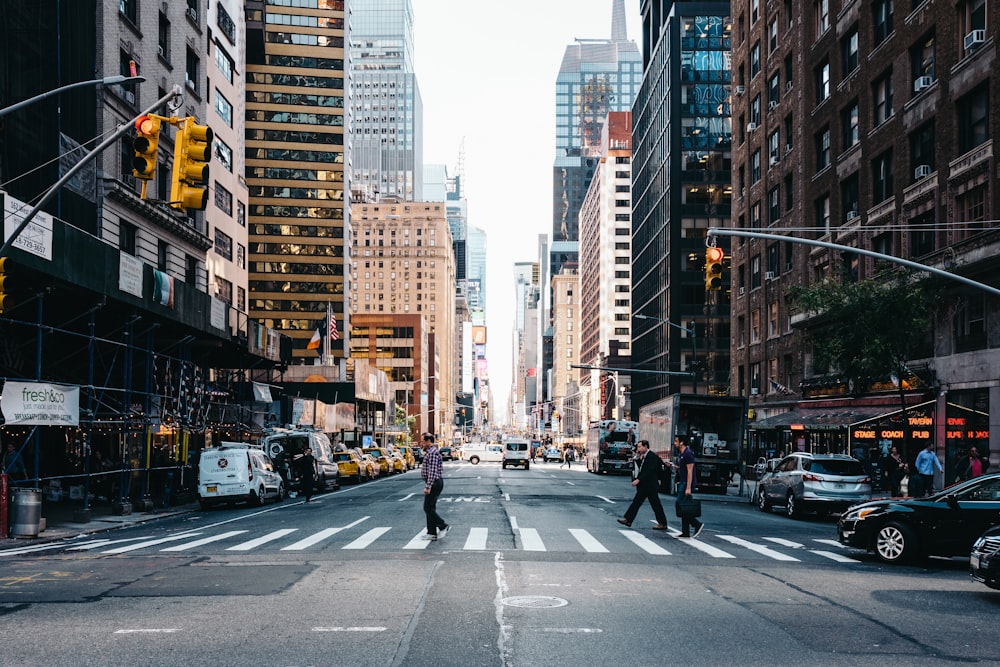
column 535, row 571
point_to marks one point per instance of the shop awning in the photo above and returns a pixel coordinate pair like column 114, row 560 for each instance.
column 821, row 419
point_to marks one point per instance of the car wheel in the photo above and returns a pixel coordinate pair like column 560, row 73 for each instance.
column 895, row 543
column 203, row 504
column 257, row 497
column 791, row 506
column 474, row 460
column 762, row 504
column 282, row 494
column 525, row 466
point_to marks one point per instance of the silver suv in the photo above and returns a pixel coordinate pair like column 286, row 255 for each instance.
column 823, row 483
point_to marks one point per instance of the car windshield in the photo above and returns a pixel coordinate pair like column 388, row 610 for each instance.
column 517, row 446
column 834, row 467
column 343, row 457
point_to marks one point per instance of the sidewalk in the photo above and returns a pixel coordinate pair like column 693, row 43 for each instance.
column 60, row 521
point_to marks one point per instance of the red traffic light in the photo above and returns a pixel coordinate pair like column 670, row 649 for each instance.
column 714, row 254
column 145, row 125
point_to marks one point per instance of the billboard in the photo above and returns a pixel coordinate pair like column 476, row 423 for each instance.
column 479, row 335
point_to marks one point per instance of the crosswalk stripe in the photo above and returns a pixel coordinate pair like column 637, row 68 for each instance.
column 476, row 541
column 530, row 540
column 204, row 540
column 149, row 543
column 764, row 551
column 369, row 537
column 320, row 536
column 419, row 541
column 701, row 546
column 840, row 558
column 588, row 541
column 832, row 543
column 270, row 537
column 644, row 543
column 785, row 543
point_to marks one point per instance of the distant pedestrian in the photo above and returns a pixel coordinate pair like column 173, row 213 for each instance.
column 971, row 465
column 12, row 463
column 927, row 463
column 686, row 480
column 569, row 455
column 646, row 480
column 895, row 470
column 432, row 473
column 306, row 465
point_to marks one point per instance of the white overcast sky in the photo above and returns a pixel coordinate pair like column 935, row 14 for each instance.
column 487, row 73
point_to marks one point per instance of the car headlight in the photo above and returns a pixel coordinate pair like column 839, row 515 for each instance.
column 859, row 513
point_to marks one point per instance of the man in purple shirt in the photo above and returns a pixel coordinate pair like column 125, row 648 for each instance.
column 432, row 473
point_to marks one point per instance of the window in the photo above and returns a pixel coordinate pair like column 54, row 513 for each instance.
column 881, row 20
column 882, row 177
column 241, row 255
column 755, row 110
column 922, row 150
column 126, row 237
column 191, row 271
column 224, row 154
column 773, row 205
column 223, row 199
column 789, row 196
column 755, row 60
column 774, row 88
column 163, row 38
column 923, row 238
column 971, row 16
column 223, row 108
column 192, row 71
column 849, row 197
column 225, row 23
column 754, row 11
column 772, row 328
column 162, row 254
column 971, row 209
column 774, row 146
column 755, row 326
column 970, row 324
column 823, row 81
column 755, row 166
column 849, row 120
column 754, row 275
column 755, row 215
column 223, row 61
column 821, row 8
column 223, row 244
column 772, row 36
column 882, row 97
column 823, row 214
column 922, row 56
column 224, row 289
column 973, row 123
column 128, row 9
column 849, row 49
column 823, row 149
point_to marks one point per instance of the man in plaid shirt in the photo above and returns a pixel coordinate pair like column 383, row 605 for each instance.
column 432, row 473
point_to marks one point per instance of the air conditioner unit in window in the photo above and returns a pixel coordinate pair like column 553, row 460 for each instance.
column 751, row 127
column 922, row 82
column 754, row 391
column 159, row 51
column 772, row 105
column 769, row 275
column 192, row 14
column 742, row 290
column 974, row 39
column 852, row 215
column 130, row 97
column 922, row 171
column 774, row 160
column 739, row 90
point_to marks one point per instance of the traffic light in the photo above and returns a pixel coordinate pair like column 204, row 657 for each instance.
column 146, row 143
column 713, row 268
column 5, row 284
column 192, row 153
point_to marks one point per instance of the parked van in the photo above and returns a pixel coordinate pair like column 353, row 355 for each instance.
column 285, row 446
column 490, row 452
column 516, row 452
column 237, row 472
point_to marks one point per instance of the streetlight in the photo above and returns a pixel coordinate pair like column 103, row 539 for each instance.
column 107, row 81
column 694, row 345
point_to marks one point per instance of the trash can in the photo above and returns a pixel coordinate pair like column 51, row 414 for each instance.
column 25, row 512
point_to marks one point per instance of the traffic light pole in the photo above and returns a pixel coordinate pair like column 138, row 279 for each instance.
column 5, row 248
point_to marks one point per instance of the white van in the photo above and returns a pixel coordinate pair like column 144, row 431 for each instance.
column 516, row 452
column 489, row 452
column 237, row 472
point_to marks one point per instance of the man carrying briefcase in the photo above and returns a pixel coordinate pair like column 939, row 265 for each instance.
column 685, row 485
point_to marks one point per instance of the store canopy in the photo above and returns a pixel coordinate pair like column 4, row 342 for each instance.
column 821, row 418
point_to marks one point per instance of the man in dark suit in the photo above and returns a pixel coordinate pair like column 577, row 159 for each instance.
column 646, row 481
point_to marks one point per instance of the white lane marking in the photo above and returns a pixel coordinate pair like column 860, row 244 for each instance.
column 96, row 544
column 320, row 536
column 407, row 497
column 204, row 540
column 506, row 496
column 420, row 541
column 270, row 537
column 150, row 543
column 764, row 551
column 607, row 500
column 588, row 541
column 840, row 558
column 644, row 543
column 476, row 539
column 355, row 628
column 701, row 546
column 530, row 540
column 504, row 635
column 785, row 543
column 572, row 631
column 43, row 547
column 369, row 537
column 571, row 483
column 513, row 523
column 832, row 543
column 132, row 631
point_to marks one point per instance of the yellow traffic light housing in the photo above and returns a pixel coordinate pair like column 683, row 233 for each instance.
column 192, row 153
column 713, row 268
column 6, row 301
column 146, row 144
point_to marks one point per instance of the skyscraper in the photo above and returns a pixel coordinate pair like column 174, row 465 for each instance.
column 295, row 154
column 387, row 112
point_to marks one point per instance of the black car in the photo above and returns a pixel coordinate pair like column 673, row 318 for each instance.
column 984, row 562
column 447, row 453
column 944, row 524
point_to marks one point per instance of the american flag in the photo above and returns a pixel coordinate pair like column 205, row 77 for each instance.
column 334, row 334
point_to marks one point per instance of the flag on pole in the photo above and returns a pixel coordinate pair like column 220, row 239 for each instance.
column 317, row 337
column 334, row 334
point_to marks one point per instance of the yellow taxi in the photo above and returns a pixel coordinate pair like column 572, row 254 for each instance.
column 351, row 466
column 408, row 456
column 398, row 461
column 374, row 469
column 385, row 461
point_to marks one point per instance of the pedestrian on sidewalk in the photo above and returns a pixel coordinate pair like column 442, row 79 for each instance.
column 646, row 480
column 432, row 473
column 13, row 466
column 927, row 463
column 686, row 484
column 306, row 465
column 569, row 455
column 971, row 465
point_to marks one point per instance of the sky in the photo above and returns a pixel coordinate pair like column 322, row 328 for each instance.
column 487, row 74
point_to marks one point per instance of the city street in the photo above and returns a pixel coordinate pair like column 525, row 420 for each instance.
column 534, row 571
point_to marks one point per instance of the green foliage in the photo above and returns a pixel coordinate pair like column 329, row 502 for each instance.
column 866, row 329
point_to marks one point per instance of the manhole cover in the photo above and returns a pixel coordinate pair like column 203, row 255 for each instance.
column 535, row 601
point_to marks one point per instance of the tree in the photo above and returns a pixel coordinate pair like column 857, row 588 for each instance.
column 867, row 329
